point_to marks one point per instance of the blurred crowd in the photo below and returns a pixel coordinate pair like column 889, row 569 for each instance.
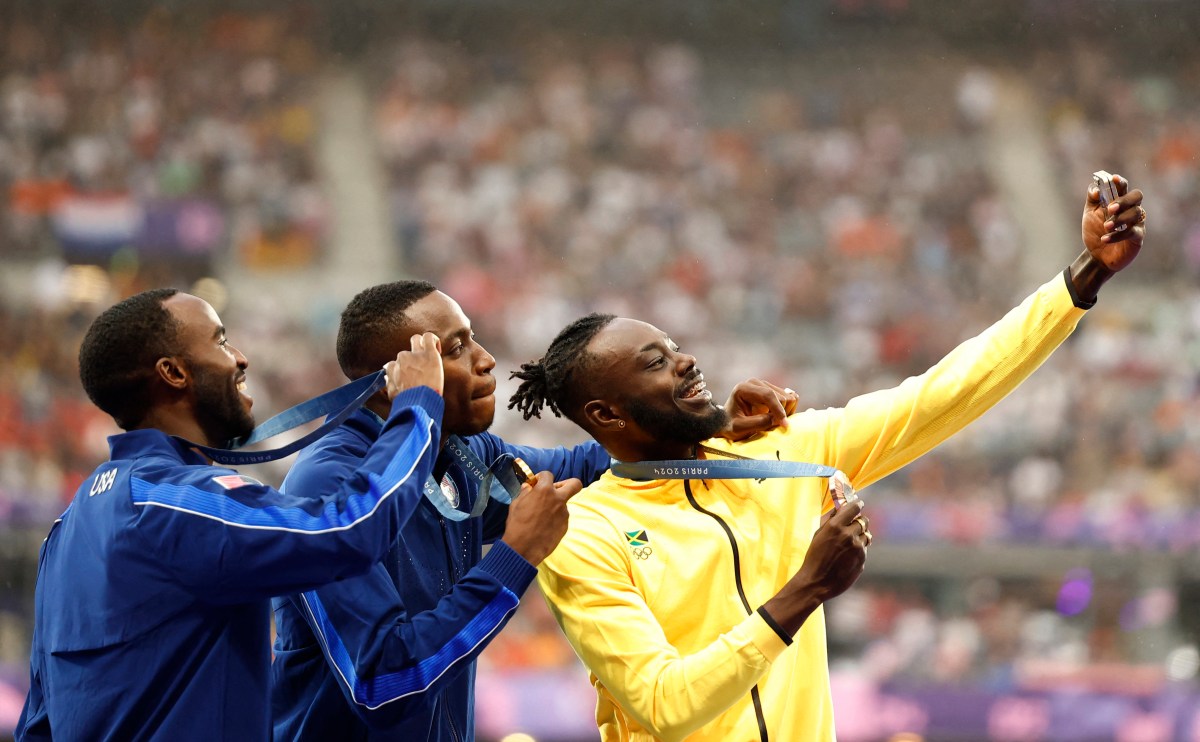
column 180, row 137
column 808, row 229
column 831, row 243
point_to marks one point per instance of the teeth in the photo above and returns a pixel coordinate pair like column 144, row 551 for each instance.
column 241, row 386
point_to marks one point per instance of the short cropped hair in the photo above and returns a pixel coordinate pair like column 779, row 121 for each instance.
column 119, row 351
column 370, row 319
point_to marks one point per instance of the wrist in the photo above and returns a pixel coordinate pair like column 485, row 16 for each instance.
column 1087, row 275
column 524, row 550
column 508, row 567
column 791, row 607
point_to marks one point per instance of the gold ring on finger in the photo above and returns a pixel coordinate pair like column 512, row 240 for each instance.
column 862, row 523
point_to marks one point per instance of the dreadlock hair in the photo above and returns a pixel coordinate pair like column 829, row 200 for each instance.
column 369, row 319
column 119, row 351
column 550, row 380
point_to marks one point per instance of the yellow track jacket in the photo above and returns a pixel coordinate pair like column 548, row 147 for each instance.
column 657, row 584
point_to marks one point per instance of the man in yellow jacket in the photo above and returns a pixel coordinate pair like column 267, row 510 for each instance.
column 696, row 603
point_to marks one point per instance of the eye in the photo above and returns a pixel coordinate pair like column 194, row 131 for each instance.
column 223, row 342
column 455, row 351
column 656, row 363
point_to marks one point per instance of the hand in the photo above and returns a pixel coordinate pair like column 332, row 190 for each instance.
column 835, row 560
column 537, row 518
column 838, row 552
column 421, row 366
column 1113, row 235
column 756, row 406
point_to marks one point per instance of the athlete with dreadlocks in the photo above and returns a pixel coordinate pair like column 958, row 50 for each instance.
column 696, row 604
column 391, row 654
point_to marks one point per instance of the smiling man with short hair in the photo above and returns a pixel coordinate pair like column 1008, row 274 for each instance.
column 152, row 599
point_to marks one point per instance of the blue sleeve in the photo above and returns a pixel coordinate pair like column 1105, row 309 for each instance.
column 586, row 462
column 389, row 663
column 228, row 539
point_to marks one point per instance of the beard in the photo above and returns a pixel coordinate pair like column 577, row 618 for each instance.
column 677, row 426
column 219, row 408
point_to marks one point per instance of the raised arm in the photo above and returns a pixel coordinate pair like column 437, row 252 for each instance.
column 875, row 434
column 228, row 538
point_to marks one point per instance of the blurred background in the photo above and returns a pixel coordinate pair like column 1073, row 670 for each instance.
column 830, row 194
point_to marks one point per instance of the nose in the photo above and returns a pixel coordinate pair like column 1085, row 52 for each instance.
column 684, row 363
column 239, row 359
column 484, row 361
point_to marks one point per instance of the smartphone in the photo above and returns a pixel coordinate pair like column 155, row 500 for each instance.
column 1108, row 189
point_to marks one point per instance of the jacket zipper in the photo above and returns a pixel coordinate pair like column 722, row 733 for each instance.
column 737, row 578
column 450, row 720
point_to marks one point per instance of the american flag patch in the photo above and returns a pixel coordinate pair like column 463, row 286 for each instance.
column 233, row 481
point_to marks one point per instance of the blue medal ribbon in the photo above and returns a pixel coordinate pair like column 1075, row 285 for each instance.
column 496, row 481
column 719, row 469
column 840, row 489
column 343, row 401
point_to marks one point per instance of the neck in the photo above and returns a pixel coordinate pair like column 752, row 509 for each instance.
column 382, row 406
column 176, row 423
column 652, row 451
column 379, row 404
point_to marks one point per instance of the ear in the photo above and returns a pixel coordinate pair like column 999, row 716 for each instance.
column 172, row 371
column 601, row 416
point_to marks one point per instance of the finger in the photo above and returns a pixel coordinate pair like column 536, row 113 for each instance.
column 1130, row 200
column 1121, row 183
column 1093, row 198
column 1138, row 232
column 1127, row 203
column 1127, row 218
column 847, row 513
column 393, row 385
column 862, row 523
column 775, row 412
column 433, row 342
column 791, row 400
column 568, row 488
column 781, row 391
column 417, row 343
column 751, row 422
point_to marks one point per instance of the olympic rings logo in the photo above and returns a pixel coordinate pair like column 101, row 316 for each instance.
column 642, row 552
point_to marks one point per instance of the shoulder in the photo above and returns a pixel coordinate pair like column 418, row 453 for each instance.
column 335, row 455
column 487, row 445
column 593, row 541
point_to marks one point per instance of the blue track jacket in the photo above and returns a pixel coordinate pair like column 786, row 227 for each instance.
column 152, row 613
column 391, row 655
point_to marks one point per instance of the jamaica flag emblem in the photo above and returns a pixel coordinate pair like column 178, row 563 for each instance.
column 637, row 538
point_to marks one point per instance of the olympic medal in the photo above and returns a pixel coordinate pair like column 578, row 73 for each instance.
column 523, row 472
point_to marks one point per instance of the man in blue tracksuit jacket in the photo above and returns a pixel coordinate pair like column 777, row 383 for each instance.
column 391, row 655
column 152, row 592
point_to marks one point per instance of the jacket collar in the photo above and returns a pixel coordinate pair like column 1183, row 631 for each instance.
column 151, row 442
column 368, row 425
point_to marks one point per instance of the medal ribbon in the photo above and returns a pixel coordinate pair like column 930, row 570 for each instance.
column 344, row 401
column 497, row 481
column 840, row 488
